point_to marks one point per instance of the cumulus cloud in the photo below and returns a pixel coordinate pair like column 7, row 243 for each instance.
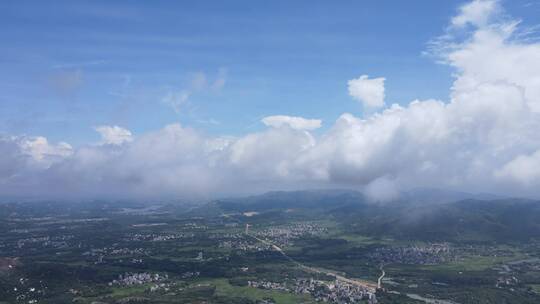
column 297, row 123
column 114, row 135
column 23, row 156
column 41, row 150
column 524, row 169
column 483, row 139
column 370, row 92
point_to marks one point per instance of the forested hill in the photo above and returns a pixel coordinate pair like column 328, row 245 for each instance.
column 405, row 218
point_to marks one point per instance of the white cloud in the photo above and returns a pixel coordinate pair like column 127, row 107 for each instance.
column 477, row 13
column 179, row 99
column 524, row 170
column 271, row 155
column 484, row 139
column 22, row 156
column 298, row 123
column 42, row 153
column 368, row 91
column 114, row 135
column 176, row 100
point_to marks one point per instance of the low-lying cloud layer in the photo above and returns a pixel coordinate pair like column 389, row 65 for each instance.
column 484, row 139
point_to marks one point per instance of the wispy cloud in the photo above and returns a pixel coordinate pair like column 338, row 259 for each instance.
column 199, row 83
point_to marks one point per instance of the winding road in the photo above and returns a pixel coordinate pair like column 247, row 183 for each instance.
column 379, row 280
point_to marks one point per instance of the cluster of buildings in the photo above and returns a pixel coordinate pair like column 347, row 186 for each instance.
column 506, row 282
column 508, row 272
column 28, row 294
column 58, row 242
column 284, row 235
column 130, row 279
column 195, row 226
column 336, row 292
column 239, row 241
column 244, row 245
column 430, row 254
column 160, row 287
column 153, row 237
column 100, row 253
column 228, row 236
column 268, row 285
column 128, row 251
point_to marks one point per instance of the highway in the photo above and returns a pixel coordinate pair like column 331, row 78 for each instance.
column 362, row 283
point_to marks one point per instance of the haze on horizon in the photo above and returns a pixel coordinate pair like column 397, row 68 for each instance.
column 182, row 100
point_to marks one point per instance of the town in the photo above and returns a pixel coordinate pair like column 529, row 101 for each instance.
column 336, row 292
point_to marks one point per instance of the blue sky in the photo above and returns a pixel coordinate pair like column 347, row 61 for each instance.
column 68, row 66
column 178, row 98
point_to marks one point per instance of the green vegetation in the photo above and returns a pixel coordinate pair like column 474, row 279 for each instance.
column 466, row 252
column 535, row 287
column 225, row 289
column 474, row 263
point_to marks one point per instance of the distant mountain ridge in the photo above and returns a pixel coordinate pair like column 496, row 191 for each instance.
column 338, row 197
column 294, row 199
column 434, row 215
column 435, row 195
